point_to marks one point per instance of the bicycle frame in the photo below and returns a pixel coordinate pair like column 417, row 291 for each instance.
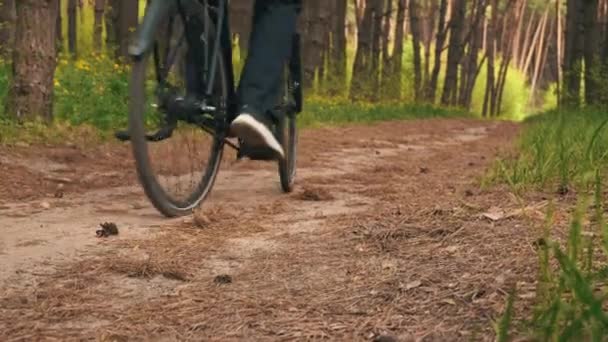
column 156, row 10
column 144, row 42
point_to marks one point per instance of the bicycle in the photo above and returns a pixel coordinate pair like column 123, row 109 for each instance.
column 195, row 100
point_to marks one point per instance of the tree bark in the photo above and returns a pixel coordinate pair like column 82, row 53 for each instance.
column 393, row 83
column 488, row 101
column 470, row 69
column 360, row 85
column 72, row 29
column 559, row 54
column 427, row 39
column 127, row 23
column 100, row 6
column 376, row 46
column 541, row 52
column 573, row 53
column 337, row 60
column 511, row 20
column 111, row 21
column 454, row 53
column 7, row 27
column 439, row 42
column 415, row 28
column 593, row 84
column 313, row 40
column 34, row 61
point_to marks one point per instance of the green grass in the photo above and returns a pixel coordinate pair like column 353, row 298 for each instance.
column 571, row 292
column 557, row 149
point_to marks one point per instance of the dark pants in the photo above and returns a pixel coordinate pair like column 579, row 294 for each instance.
column 273, row 29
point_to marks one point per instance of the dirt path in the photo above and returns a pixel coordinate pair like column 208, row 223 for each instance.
column 383, row 236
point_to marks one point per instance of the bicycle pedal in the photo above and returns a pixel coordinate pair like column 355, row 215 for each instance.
column 257, row 153
column 122, row 135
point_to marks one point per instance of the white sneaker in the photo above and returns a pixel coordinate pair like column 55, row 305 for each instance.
column 255, row 133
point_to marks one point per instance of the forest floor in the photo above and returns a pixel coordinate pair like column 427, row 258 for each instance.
column 387, row 233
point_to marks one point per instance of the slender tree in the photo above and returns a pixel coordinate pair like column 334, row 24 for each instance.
column 99, row 8
column 362, row 67
column 454, row 52
column 72, row 26
column 442, row 28
column 593, row 82
column 416, row 37
column 573, row 53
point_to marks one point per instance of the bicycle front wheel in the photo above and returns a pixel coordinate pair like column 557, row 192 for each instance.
column 176, row 172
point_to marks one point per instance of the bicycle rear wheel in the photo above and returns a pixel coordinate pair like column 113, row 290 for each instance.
column 177, row 172
column 287, row 134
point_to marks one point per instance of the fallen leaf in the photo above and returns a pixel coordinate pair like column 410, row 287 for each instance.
column 451, row 249
column 494, row 214
column 449, row 301
column 412, row 285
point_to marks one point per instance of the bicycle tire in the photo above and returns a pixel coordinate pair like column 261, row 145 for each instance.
column 155, row 192
column 288, row 136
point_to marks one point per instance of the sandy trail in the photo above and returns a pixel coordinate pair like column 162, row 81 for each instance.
column 375, row 240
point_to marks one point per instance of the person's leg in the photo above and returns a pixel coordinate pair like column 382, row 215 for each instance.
column 274, row 25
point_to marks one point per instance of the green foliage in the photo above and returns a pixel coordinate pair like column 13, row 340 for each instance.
column 4, row 81
column 322, row 111
column 570, row 294
column 558, row 149
column 94, row 90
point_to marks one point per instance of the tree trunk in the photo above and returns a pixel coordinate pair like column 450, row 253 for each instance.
column 72, row 29
column 518, row 36
column 34, row 60
column 488, row 101
column 7, row 27
column 559, row 51
column 127, row 23
column 313, row 40
column 393, row 83
column 470, row 68
column 593, row 83
column 431, row 91
column 337, row 60
column 111, row 21
column 415, row 28
column 537, row 40
column 539, row 60
column 427, row 40
column 511, row 20
column 100, row 6
column 454, row 53
column 376, row 45
column 58, row 26
column 360, row 85
column 573, row 53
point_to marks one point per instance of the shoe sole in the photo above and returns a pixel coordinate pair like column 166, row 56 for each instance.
column 255, row 133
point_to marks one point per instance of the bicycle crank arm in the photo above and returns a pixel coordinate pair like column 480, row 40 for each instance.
column 256, row 153
column 163, row 133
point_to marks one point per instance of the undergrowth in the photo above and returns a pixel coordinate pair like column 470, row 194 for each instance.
column 571, row 293
column 558, row 150
column 92, row 96
column 564, row 150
